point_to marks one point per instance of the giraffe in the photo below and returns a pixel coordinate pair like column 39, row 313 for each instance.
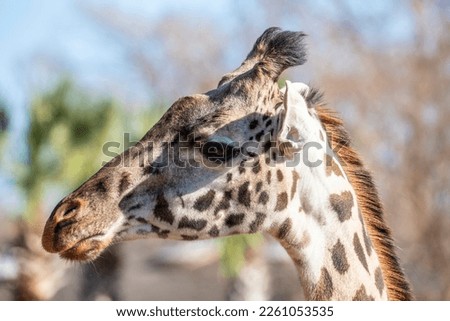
column 245, row 157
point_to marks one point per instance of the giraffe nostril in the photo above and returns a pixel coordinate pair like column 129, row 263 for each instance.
column 65, row 211
column 65, row 215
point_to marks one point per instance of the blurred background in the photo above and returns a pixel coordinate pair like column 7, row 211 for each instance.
column 77, row 74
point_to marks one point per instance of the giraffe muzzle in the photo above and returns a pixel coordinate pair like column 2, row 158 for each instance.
column 74, row 232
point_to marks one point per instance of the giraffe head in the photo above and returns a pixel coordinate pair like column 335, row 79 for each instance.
column 200, row 172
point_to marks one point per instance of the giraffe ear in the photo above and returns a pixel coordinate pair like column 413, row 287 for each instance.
column 273, row 52
column 290, row 139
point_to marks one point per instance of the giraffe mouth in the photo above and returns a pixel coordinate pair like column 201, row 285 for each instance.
column 87, row 249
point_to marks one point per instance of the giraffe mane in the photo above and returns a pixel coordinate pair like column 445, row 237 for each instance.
column 369, row 201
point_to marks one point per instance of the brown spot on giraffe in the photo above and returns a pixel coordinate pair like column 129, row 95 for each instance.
column 224, row 203
column 214, row 231
column 258, row 187
column 124, row 183
column 244, row 194
column 253, row 124
column 282, row 202
column 331, row 166
column 295, row 178
column 256, row 167
column 163, row 234
column 285, row 228
column 101, row 186
column 269, row 177
column 234, row 219
column 263, row 198
column 361, row 295
column 259, row 135
column 280, row 175
column 205, row 201
column 359, row 251
column 267, row 146
column 323, row 290
column 342, row 204
column 258, row 222
column 197, row 225
column 379, row 282
column 189, row 237
column 162, row 211
column 339, row 257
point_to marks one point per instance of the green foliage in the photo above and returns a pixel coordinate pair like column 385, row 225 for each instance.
column 233, row 252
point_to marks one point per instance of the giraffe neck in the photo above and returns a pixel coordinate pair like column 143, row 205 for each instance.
column 324, row 232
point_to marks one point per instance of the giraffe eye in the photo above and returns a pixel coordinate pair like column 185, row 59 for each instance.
column 220, row 150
